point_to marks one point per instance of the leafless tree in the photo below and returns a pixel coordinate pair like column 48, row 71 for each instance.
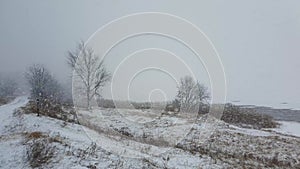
column 37, row 77
column 90, row 69
column 191, row 94
column 8, row 86
column 203, row 94
column 43, row 85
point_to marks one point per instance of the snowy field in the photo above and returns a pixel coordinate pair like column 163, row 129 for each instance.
column 144, row 140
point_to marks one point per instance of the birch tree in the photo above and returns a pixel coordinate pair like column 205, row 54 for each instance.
column 90, row 69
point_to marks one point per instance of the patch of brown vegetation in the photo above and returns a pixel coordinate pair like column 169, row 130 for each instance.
column 35, row 135
column 40, row 152
column 246, row 151
column 247, row 118
column 41, row 148
column 51, row 110
column 3, row 101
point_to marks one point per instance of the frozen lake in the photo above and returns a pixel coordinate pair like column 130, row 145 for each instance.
column 289, row 127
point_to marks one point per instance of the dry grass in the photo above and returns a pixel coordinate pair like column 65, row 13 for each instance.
column 40, row 148
column 39, row 152
column 35, row 135
column 50, row 110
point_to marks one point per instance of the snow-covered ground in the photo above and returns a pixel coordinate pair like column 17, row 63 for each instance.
column 76, row 140
column 6, row 113
column 120, row 139
column 11, row 148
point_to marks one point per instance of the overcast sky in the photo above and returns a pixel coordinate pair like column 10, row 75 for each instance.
column 258, row 41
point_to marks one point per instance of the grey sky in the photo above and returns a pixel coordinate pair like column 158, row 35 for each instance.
column 258, row 41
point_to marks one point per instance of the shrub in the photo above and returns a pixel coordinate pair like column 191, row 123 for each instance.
column 34, row 135
column 3, row 101
column 173, row 107
column 247, row 117
column 39, row 152
column 105, row 103
column 141, row 105
column 51, row 110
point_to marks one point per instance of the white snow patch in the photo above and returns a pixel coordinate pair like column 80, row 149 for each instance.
column 251, row 132
column 289, row 127
column 6, row 113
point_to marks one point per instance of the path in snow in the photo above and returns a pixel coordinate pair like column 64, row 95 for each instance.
column 6, row 113
column 10, row 137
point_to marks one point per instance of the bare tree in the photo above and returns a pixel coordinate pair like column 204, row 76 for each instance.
column 37, row 77
column 203, row 94
column 191, row 94
column 8, row 86
column 44, row 88
column 90, row 68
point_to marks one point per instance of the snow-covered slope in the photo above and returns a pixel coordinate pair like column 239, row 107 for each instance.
column 11, row 148
column 6, row 113
column 74, row 145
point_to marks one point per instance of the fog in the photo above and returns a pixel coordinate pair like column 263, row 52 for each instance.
column 258, row 41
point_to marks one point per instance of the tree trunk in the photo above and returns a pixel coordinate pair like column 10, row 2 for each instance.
column 88, row 99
